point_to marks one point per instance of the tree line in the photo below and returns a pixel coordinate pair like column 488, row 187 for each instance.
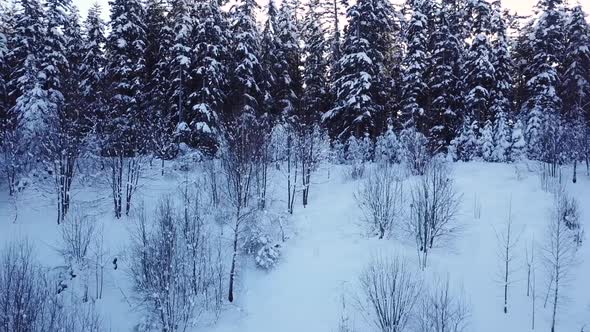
column 466, row 76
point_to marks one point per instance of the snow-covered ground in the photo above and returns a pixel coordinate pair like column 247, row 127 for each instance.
column 328, row 248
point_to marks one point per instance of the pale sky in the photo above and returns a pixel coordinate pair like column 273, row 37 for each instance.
column 523, row 7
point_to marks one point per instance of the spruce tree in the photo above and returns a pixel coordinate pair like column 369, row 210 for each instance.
column 543, row 105
column 93, row 63
column 315, row 99
column 289, row 79
column 209, row 75
column 269, row 57
column 575, row 86
column 478, row 69
column 575, row 81
column 158, row 100
column 182, row 23
column 360, row 78
column 124, row 124
column 486, row 142
column 125, row 130
column 246, row 94
column 414, row 103
column 4, row 72
column 444, row 78
column 30, row 109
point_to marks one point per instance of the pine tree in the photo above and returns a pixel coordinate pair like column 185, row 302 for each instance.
column 543, row 106
column 125, row 129
column 25, row 48
column 315, row 97
column 93, row 63
column 465, row 145
column 4, row 72
column 31, row 111
column 289, row 79
column 246, row 94
column 125, row 120
column 575, row 85
column 360, row 78
column 518, row 148
column 269, row 45
column 416, row 63
column 72, row 123
column 575, row 82
column 182, row 23
column 209, row 75
column 478, row 69
column 486, row 142
column 158, row 100
column 501, row 93
column 444, row 79
column 501, row 138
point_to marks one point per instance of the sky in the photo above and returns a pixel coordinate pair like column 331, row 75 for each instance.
column 523, row 7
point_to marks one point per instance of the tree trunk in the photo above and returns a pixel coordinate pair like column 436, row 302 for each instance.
column 232, row 271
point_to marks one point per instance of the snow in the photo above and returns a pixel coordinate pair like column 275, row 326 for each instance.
column 321, row 261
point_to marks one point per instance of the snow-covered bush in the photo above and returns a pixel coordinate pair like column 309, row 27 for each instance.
column 268, row 256
column 266, row 252
column 387, row 147
column 569, row 213
column 380, row 198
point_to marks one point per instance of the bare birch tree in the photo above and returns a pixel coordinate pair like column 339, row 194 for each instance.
column 507, row 242
column 433, row 208
column 390, row 290
column 441, row 311
column 380, row 198
column 558, row 255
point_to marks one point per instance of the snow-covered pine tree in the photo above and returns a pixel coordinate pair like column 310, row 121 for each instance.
column 521, row 54
column 209, row 75
column 518, row 148
column 71, row 124
column 465, row 145
column 478, row 69
column 289, row 78
column 360, row 78
column 387, row 147
column 501, row 107
column 575, row 85
column 501, row 137
column 246, row 94
column 124, row 131
column 30, row 110
column 444, row 77
column 543, row 106
column 315, row 96
column 5, row 27
column 181, row 56
column 576, row 76
column 158, row 100
column 269, row 45
column 486, row 141
column 414, row 100
column 93, row 63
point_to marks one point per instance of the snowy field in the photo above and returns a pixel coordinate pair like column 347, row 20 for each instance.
column 315, row 284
